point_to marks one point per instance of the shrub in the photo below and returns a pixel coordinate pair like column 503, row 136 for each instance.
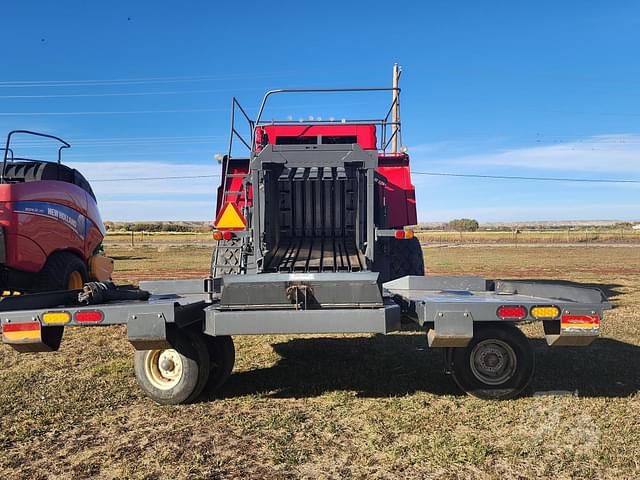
column 463, row 225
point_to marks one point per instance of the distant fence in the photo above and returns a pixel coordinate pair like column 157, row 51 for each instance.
column 139, row 238
column 532, row 236
column 425, row 236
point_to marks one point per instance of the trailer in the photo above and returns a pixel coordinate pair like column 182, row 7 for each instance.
column 313, row 236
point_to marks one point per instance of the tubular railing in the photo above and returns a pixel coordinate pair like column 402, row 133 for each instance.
column 383, row 123
column 7, row 149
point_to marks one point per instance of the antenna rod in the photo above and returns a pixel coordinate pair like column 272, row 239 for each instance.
column 395, row 106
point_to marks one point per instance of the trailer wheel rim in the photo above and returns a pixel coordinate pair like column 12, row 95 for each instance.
column 493, row 362
column 75, row 280
column 163, row 368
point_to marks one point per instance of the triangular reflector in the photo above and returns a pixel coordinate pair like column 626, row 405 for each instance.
column 230, row 218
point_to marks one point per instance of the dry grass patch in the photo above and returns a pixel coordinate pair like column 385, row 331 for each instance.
column 343, row 406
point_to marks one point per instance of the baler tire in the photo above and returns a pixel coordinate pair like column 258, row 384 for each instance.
column 222, row 355
column 509, row 347
column 62, row 271
column 189, row 353
column 406, row 258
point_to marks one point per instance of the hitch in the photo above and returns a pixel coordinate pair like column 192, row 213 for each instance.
column 300, row 295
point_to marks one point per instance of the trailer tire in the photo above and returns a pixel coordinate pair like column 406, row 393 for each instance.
column 222, row 355
column 498, row 363
column 63, row 271
column 176, row 375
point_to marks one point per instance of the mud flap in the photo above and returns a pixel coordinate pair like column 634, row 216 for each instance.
column 451, row 329
column 147, row 331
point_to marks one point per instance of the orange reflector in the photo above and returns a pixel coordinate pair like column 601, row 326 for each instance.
column 545, row 312
column 408, row 234
column 56, row 318
column 21, row 332
column 226, row 235
column 230, row 218
column 512, row 312
column 88, row 316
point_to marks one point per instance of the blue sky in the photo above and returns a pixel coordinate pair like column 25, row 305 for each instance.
column 510, row 88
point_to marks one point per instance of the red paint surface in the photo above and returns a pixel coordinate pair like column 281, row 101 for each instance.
column 30, row 239
column 399, row 193
column 366, row 134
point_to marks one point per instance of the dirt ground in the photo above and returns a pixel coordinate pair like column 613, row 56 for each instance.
column 339, row 406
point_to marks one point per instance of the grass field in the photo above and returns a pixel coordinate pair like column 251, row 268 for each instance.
column 342, row 406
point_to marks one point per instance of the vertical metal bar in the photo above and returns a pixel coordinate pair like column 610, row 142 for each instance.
column 306, row 265
column 6, row 152
column 257, row 220
column 308, row 203
column 395, row 116
column 370, row 213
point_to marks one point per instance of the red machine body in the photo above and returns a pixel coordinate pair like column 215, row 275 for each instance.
column 396, row 192
column 50, row 227
column 39, row 218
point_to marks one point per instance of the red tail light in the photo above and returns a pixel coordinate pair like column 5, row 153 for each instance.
column 399, row 234
column 512, row 312
column 89, row 316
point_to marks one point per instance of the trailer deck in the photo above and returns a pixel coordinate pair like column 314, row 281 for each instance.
column 332, row 303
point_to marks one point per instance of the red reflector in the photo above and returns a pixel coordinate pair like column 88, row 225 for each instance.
column 399, row 234
column 21, row 327
column 512, row 312
column 579, row 320
column 227, row 235
column 88, row 316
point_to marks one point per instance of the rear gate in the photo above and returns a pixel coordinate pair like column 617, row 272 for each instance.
column 316, row 227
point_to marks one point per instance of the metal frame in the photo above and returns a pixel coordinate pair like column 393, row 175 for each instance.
column 37, row 134
column 381, row 122
column 450, row 308
column 324, row 156
column 255, row 176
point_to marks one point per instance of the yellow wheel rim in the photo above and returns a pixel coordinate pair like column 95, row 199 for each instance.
column 75, row 281
column 163, row 368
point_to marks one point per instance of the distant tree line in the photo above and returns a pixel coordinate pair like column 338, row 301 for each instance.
column 154, row 227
